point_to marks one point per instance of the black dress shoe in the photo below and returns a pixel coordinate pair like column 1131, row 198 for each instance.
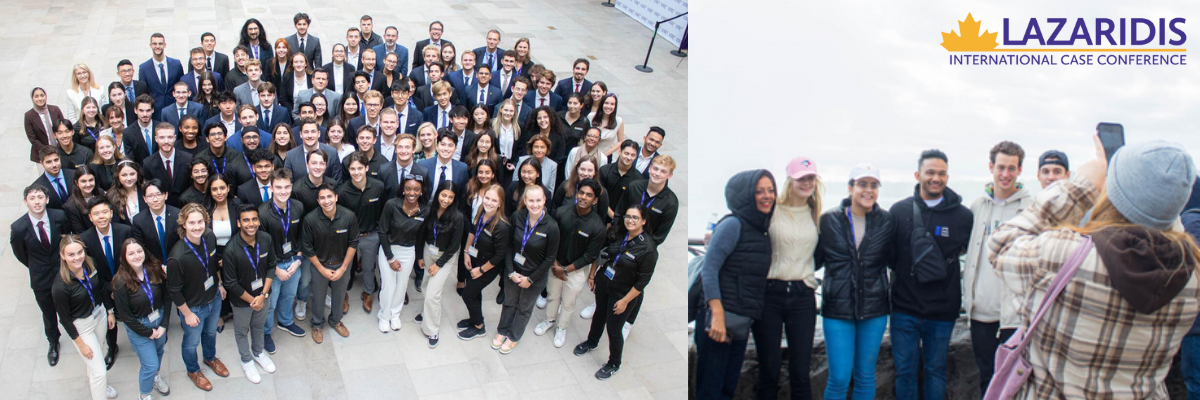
column 111, row 358
column 500, row 297
column 52, row 355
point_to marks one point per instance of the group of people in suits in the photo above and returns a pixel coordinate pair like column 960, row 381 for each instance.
column 257, row 190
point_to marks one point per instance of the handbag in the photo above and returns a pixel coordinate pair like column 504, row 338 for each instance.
column 1012, row 369
column 737, row 326
column 928, row 264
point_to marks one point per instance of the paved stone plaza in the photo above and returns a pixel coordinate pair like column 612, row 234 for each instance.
column 43, row 39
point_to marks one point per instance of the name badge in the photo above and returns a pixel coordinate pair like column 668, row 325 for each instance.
column 609, row 272
column 257, row 284
column 419, row 218
column 656, row 210
column 287, row 247
column 341, row 231
column 295, row 221
column 208, row 283
column 582, row 233
column 153, row 317
column 542, row 234
column 431, row 249
column 629, row 255
column 373, row 200
column 472, row 251
column 489, row 233
column 519, row 259
column 97, row 311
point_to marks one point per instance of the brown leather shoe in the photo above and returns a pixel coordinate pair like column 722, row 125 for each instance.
column 367, row 300
column 200, row 381
column 218, row 367
column 317, row 335
column 340, row 328
column 346, row 304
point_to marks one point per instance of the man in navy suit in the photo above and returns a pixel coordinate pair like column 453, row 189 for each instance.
column 156, row 226
column 215, row 62
column 422, row 75
column 465, row 76
column 138, row 139
column 192, row 78
column 34, row 238
column 372, row 102
column 57, row 180
column 133, row 88
column 578, row 82
column 483, row 91
column 390, row 46
column 435, row 39
column 160, row 72
column 227, row 105
column 411, row 117
column 248, row 116
column 519, row 88
column 102, row 243
column 302, row 42
column 270, row 113
column 507, row 75
column 444, row 166
column 173, row 113
column 167, row 165
column 543, row 97
column 375, row 79
column 439, row 111
column 491, row 54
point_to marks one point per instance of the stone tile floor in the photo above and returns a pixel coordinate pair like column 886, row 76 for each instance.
column 42, row 40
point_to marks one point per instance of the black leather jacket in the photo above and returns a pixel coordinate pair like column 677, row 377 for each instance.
column 856, row 280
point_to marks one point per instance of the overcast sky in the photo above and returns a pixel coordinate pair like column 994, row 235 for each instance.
column 852, row 82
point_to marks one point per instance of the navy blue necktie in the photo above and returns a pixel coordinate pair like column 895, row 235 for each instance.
column 109, row 255
column 162, row 237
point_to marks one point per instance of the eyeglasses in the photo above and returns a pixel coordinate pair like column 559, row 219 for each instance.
column 867, row 185
column 633, row 218
column 154, row 196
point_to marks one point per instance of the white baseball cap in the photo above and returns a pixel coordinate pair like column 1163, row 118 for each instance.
column 864, row 171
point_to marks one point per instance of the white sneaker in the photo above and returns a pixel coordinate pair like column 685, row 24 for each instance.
column 542, row 327
column 251, row 372
column 161, row 385
column 625, row 331
column 560, row 337
column 265, row 362
column 588, row 311
column 395, row 323
column 301, row 310
column 541, row 302
column 110, row 392
column 148, row 397
column 385, row 326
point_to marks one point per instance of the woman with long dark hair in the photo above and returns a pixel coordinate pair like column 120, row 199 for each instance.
column 564, row 195
column 400, row 231
column 595, row 98
column 443, row 238
column 143, row 304
column 207, row 93
column 573, row 118
column 612, row 127
column 90, row 124
column 126, row 193
column 734, row 278
column 222, row 208
column 276, row 68
column 104, row 162
column 85, row 311
column 528, row 174
column 76, row 206
column 544, row 122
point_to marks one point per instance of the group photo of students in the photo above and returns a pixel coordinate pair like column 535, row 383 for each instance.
column 1084, row 288
column 271, row 191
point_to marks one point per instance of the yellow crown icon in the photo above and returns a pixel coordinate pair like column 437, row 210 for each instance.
column 970, row 40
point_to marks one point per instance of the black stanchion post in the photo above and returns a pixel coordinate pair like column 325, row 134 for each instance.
column 644, row 67
column 608, row 3
column 679, row 52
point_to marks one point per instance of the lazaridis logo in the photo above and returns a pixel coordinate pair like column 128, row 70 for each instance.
column 1141, row 41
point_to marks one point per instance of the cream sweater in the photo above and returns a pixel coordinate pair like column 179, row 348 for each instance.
column 793, row 240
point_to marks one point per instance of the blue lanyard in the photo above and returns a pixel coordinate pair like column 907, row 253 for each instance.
column 435, row 231
column 146, row 287
column 529, row 230
column 253, row 260
column 220, row 170
column 203, row 260
column 251, row 167
column 620, row 251
column 92, row 132
column 287, row 218
column 479, row 229
column 643, row 201
column 87, row 284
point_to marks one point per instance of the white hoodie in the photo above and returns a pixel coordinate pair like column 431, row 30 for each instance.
column 985, row 297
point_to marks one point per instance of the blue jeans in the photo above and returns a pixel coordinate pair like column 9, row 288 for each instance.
column 204, row 333
column 149, row 353
column 283, row 292
column 1189, row 356
column 302, row 291
column 853, row 348
column 718, row 366
column 933, row 339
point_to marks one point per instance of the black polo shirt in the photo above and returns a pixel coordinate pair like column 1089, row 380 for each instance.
column 492, row 244
column 616, row 183
column 366, row 203
column 397, row 228
column 328, row 239
column 582, row 237
column 662, row 208
column 635, row 266
column 272, row 218
column 72, row 302
column 187, row 274
column 539, row 250
column 240, row 272
column 306, row 192
column 131, row 305
column 449, row 234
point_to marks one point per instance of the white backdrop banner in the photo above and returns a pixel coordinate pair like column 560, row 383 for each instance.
column 650, row 11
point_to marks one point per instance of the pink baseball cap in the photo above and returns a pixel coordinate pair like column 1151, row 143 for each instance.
column 801, row 167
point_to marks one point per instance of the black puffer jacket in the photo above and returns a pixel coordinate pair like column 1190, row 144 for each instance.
column 743, row 277
column 856, row 280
